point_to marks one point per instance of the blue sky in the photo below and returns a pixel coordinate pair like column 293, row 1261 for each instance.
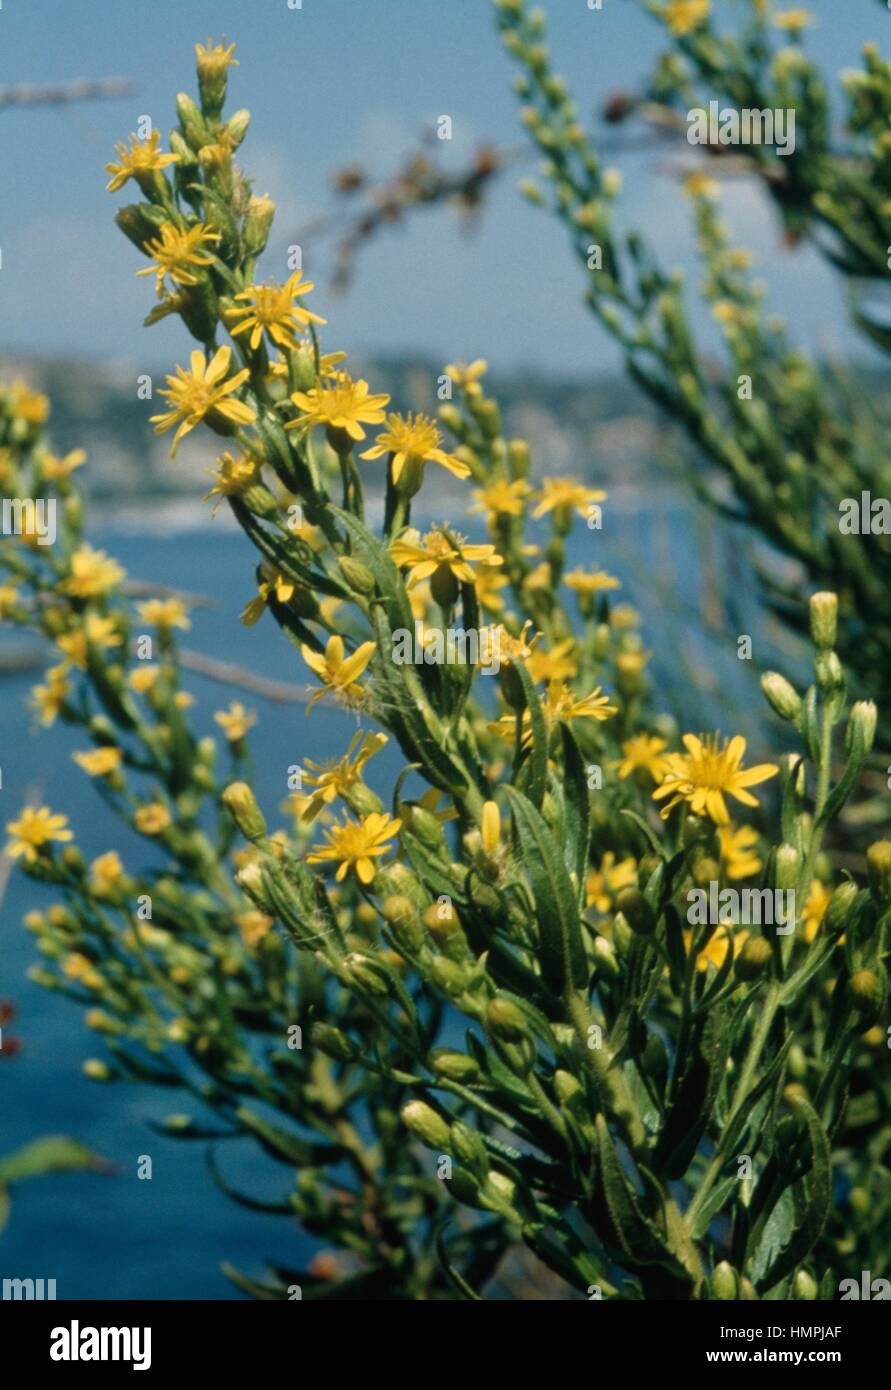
column 332, row 82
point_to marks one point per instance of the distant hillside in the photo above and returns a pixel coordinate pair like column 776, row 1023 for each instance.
column 603, row 429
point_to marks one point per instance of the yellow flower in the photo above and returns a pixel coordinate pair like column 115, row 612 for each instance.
column 152, row 819
column 488, row 583
column 33, row 830
column 254, row 926
column 341, row 404
column 79, row 967
column 275, row 583
column 273, row 309
column 200, row 392
column 683, row 16
column 590, row 582
column 603, row 884
column 700, row 185
column 737, row 844
column 106, row 872
column 142, row 678
column 413, row 437
column 235, row 721
column 99, row 762
column 49, row 699
column 728, row 313
column 338, row 673
column 556, row 664
column 643, row 753
column 215, row 59
column 714, row 952
column 502, row 498
column 559, row 706
column 565, row 496
column 183, row 700
column 815, row 908
column 356, row 844
column 93, row 573
column 54, row 469
column 468, row 376
column 338, row 778
column 233, row 477
column 438, row 555
column 139, row 162
column 792, row 21
column 164, row 613
column 28, row 405
column 174, row 250
column 707, row 772
column 507, row 649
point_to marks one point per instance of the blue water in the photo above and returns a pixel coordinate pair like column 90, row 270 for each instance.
column 114, row 1235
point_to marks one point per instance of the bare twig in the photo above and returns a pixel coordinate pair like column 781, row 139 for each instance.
column 227, row 673
column 84, row 89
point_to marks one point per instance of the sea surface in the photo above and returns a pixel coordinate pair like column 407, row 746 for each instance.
column 112, row 1235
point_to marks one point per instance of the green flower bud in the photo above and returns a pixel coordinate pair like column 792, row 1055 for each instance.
column 840, row 905
column 357, row 575
column 781, row 695
column 706, row 870
column 441, row 921
column 195, row 129
column 366, row 972
column 454, row 1066
column 444, row 586
column 878, row 867
column 468, row 1147
column 636, row 911
column 753, row 959
column 622, row 934
column 97, row 1070
column 334, row 1043
column 453, row 979
column 788, row 864
column 242, row 806
column 797, row 1062
column 824, row 620
column 512, row 687
column 428, row 829
column 804, row 1286
column 237, row 127
column 421, row 1120
column 867, row 993
column 140, row 222
column 830, row 676
column 605, row 958
column 724, row 1282
column 261, row 211
column 518, row 459
column 655, row 1059
column 863, row 718
column 402, row 916
column 747, row 1290
column 505, row 1021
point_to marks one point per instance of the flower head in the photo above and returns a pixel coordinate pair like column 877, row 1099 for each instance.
column 341, row 404
column 815, row 906
column 142, row 161
column 25, row 404
column 708, row 771
column 502, row 498
column 737, row 850
column 338, row 672
column 436, row 553
column 468, row 375
column 275, row 310
column 49, row 699
column 602, row 885
column 93, row 573
column 586, row 582
column 33, row 830
column 152, row 819
column 356, row 844
column 563, row 496
column 174, row 250
column 202, row 391
column 235, row 721
column 414, row 437
column 165, row 613
column 643, row 753
column 234, row 475
column 99, row 762
column 338, row 778
column 53, row 469
column 684, row 16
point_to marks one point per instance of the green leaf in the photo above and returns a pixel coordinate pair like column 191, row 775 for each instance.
column 563, row 959
column 810, row 1221
column 578, row 807
column 537, row 755
column 637, row 1236
column 54, row 1154
column 286, row 1147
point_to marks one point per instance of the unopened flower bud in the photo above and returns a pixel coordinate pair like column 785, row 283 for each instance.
column 334, row 1043
column 753, row 959
column 242, row 806
column 788, row 863
column 867, row 993
column 636, row 911
column 366, row 972
column 357, row 575
column 724, row 1282
column 878, row 868
column 824, row 620
column 261, row 211
column 862, row 718
column 781, row 695
column 804, row 1286
column 426, row 1124
column 605, row 958
column 839, row 908
column 468, row 1147
column 454, row 1066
